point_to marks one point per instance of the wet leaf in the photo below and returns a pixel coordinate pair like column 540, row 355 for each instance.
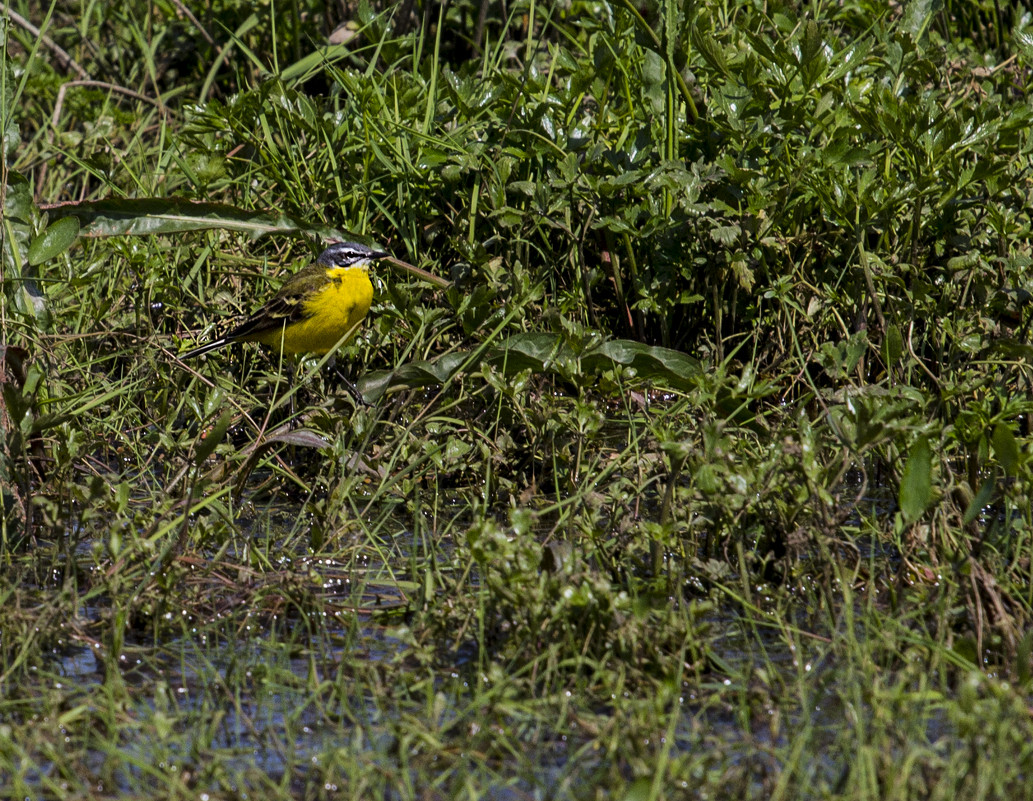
column 209, row 439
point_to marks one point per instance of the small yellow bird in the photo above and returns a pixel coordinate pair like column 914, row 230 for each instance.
column 314, row 309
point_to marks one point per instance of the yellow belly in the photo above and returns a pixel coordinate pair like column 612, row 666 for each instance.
column 330, row 313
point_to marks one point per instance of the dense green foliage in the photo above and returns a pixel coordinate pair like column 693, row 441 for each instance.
column 709, row 476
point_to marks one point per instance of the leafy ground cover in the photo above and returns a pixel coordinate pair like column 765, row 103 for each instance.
column 707, row 476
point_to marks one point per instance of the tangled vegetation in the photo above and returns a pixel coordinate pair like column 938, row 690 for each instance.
column 708, row 475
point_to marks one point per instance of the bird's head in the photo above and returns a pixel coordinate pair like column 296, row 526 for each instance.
column 349, row 254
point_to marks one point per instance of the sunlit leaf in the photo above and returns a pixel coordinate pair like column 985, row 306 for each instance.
column 410, row 376
column 543, row 353
column 145, row 216
column 812, row 43
column 301, row 437
column 54, row 240
column 210, row 438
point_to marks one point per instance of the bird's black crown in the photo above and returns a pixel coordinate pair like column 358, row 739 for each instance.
column 349, row 254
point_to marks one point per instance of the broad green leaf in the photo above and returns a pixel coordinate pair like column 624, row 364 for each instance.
column 892, row 345
column 812, row 43
column 980, row 501
column 711, row 51
column 210, row 438
column 300, row 437
column 1024, row 39
column 10, row 136
column 849, row 59
column 18, row 205
column 916, row 482
column 662, row 365
column 19, row 215
column 53, row 241
column 543, row 353
column 653, row 68
column 1023, row 660
column 145, row 216
column 1006, row 448
column 410, row 376
column 918, row 15
column 314, row 63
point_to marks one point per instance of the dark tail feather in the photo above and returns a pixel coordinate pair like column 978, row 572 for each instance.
column 205, row 348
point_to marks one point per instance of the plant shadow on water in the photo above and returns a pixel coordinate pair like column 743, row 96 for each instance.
column 243, row 670
column 513, row 645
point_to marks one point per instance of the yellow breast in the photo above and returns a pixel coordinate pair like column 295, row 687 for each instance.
column 330, row 312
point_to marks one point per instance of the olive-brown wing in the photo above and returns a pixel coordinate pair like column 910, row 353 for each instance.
column 285, row 307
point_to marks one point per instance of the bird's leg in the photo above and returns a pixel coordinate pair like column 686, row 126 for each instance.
column 354, row 391
column 348, row 385
column 293, row 380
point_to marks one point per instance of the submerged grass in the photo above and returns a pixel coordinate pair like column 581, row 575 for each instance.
column 556, row 557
